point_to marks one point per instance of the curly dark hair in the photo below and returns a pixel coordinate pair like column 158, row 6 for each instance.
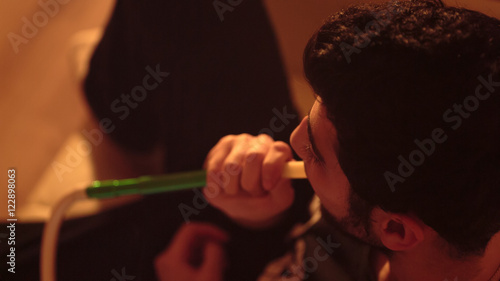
column 413, row 89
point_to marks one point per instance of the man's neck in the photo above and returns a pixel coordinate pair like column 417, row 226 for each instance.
column 436, row 268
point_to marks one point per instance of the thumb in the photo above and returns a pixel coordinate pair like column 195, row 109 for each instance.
column 214, row 262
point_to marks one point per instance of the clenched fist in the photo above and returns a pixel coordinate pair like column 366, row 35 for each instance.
column 244, row 179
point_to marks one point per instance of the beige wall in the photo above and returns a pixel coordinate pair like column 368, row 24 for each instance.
column 40, row 102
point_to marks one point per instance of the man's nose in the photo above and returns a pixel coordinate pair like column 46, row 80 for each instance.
column 297, row 134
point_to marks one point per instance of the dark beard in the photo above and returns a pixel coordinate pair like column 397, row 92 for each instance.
column 357, row 224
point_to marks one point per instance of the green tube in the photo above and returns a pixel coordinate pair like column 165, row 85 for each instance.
column 146, row 184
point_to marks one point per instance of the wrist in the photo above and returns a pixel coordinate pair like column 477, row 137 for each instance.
column 261, row 224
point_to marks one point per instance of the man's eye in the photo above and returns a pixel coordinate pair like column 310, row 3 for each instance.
column 310, row 154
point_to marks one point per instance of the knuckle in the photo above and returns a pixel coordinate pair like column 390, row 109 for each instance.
column 244, row 136
column 254, row 155
column 260, row 144
column 227, row 139
column 212, row 165
column 281, row 147
column 242, row 141
column 265, row 138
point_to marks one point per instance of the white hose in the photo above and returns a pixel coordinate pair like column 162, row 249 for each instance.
column 51, row 233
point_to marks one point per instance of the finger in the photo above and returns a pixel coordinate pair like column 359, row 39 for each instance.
column 214, row 262
column 216, row 178
column 274, row 163
column 211, row 191
column 187, row 238
column 233, row 164
column 251, row 178
column 218, row 153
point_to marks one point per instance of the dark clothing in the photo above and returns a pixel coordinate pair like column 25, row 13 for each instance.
column 321, row 252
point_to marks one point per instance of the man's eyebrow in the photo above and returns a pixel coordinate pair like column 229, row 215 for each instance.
column 311, row 140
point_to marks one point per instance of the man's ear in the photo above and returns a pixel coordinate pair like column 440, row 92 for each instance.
column 397, row 232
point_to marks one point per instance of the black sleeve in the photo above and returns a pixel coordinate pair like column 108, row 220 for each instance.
column 250, row 251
